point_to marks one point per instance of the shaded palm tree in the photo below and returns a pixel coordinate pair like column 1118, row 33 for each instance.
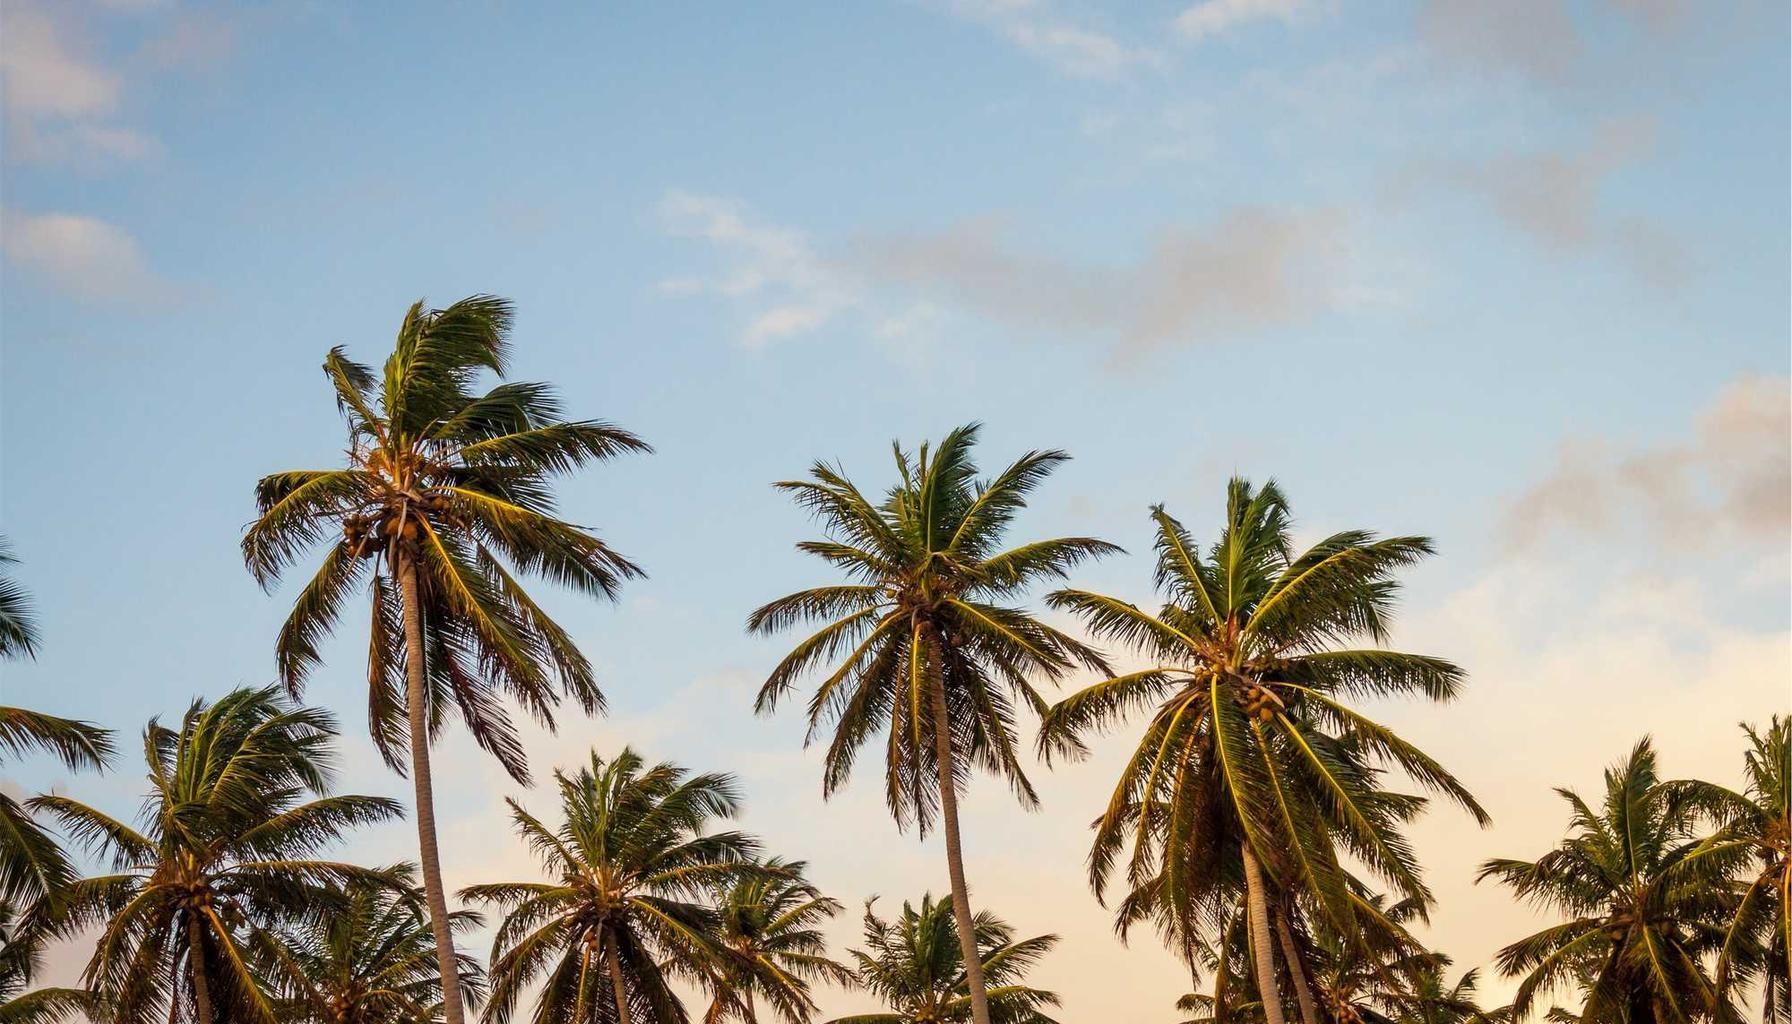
column 1642, row 915
column 769, row 928
column 923, row 642
column 1754, row 840
column 626, row 912
column 22, row 1003
column 914, row 964
column 371, row 961
column 1254, row 772
column 225, row 848
column 445, row 501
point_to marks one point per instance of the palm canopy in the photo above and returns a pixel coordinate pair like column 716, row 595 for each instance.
column 1252, row 743
column 226, row 847
column 1642, row 915
column 454, row 484
column 1754, row 840
column 928, row 599
column 769, row 927
column 31, row 863
column 18, row 622
column 632, row 866
column 914, row 964
column 22, row 1002
column 370, row 961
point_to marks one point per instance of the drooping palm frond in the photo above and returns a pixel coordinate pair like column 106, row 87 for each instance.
column 18, row 621
column 624, row 913
column 226, row 847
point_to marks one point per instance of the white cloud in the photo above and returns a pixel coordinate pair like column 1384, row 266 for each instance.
column 1217, row 17
column 1729, row 482
column 1073, row 48
column 81, row 256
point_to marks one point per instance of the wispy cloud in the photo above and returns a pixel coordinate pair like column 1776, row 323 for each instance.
column 80, row 256
column 1217, row 17
column 1729, row 481
column 1070, row 46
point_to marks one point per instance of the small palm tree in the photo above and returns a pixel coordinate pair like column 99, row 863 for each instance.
column 914, row 965
column 1254, row 772
column 632, row 866
column 443, row 490
column 1754, row 839
column 1642, row 916
column 372, row 961
column 769, row 927
column 928, row 644
column 225, row 849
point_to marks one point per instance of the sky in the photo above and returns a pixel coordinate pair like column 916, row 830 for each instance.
column 1512, row 275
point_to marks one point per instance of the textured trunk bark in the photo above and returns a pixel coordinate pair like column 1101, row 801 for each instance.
column 202, row 993
column 1309, row 1010
column 961, row 897
column 415, row 691
column 617, row 984
column 1262, row 943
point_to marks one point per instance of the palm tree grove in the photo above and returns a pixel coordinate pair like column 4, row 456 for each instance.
column 1245, row 715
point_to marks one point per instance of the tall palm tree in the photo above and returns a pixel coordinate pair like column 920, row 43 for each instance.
column 226, row 847
column 1254, row 771
column 626, row 912
column 1641, row 915
column 373, row 961
column 914, row 965
column 770, row 931
column 444, row 489
column 1754, row 839
column 924, row 641
column 18, row 623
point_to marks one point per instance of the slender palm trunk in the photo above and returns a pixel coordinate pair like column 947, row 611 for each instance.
column 961, row 896
column 1309, row 1011
column 202, row 992
column 578, row 1004
column 1262, row 944
column 616, row 982
column 415, row 691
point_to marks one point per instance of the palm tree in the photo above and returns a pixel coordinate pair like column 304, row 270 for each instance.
column 19, row 964
column 929, row 647
column 225, row 848
column 1754, row 838
column 1254, row 771
column 371, row 962
column 769, row 926
column 632, row 865
column 914, row 965
column 444, row 487
column 18, row 623
column 1642, row 915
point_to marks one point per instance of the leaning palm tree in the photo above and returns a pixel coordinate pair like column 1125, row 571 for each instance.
column 626, row 912
column 444, row 502
column 1754, row 839
column 914, row 964
column 226, row 847
column 373, row 961
column 1642, row 916
column 770, row 931
column 924, row 641
column 1254, row 773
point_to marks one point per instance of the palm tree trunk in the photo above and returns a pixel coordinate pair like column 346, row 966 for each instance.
column 202, row 993
column 415, row 691
column 1309, row 1011
column 616, row 982
column 1262, row 944
column 961, row 896
column 578, row 1004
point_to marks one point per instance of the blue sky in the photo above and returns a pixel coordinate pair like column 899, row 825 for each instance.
column 1512, row 275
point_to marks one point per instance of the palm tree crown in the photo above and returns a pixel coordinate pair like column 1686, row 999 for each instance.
column 454, row 484
column 770, row 930
column 913, row 964
column 225, row 849
column 1642, row 915
column 625, row 912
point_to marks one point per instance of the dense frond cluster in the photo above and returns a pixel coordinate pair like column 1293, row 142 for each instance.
column 914, row 964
